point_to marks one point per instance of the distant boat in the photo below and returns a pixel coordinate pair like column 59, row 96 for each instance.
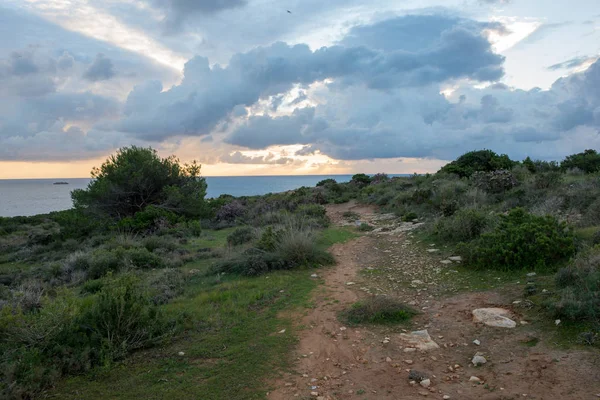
column 60, row 183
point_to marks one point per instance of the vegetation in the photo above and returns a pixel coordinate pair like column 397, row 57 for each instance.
column 379, row 310
column 145, row 260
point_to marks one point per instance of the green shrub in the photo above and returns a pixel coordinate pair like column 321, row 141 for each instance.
column 360, row 180
column 588, row 161
column 481, row 160
column 269, row 239
column 153, row 243
column 141, row 258
column 241, row 236
column 326, row 182
column 351, row 215
column 547, row 180
column 102, row 262
column 498, row 181
column 299, row 247
column 409, row 217
column 364, row 227
column 166, row 285
column 521, row 241
column 379, row 310
column 464, row 226
column 195, row 228
column 579, row 288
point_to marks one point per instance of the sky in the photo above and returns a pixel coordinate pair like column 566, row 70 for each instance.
column 288, row 87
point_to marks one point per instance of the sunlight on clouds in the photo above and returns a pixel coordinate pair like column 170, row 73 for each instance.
column 518, row 30
column 79, row 16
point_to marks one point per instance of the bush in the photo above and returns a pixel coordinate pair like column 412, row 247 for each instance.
column 473, row 161
column 521, row 241
column 579, row 288
column 547, row 180
column 360, row 180
column 231, row 211
column 588, row 161
column 153, row 243
column 135, row 178
column 326, row 182
column 379, row 310
column 498, row 181
column 314, row 212
column 364, row 227
column 464, row 226
column 240, row 236
column 167, row 285
column 299, row 247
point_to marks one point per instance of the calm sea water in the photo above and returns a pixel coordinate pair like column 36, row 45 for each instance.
column 40, row 196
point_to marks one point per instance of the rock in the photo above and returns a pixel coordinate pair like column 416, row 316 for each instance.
column 446, row 262
column 531, row 274
column 282, row 331
column 420, row 340
column 423, row 393
column 409, row 362
column 446, row 397
column 476, row 342
column 417, row 282
column 410, row 350
column 425, row 383
column 314, row 276
column 314, row 394
column 181, row 353
column 387, row 359
column 478, row 360
column 494, row 317
column 416, row 376
column 474, row 379
column 557, row 322
column 349, row 283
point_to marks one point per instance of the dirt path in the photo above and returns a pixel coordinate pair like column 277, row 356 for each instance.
column 339, row 362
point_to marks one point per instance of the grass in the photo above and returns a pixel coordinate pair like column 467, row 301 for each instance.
column 333, row 235
column 378, row 310
column 231, row 340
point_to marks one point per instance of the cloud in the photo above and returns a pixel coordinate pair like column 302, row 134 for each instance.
column 362, row 123
column 573, row 63
column 207, row 95
column 239, row 158
column 101, row 69
column 178, row 10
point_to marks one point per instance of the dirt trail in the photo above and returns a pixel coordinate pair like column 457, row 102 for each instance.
column 339, row 362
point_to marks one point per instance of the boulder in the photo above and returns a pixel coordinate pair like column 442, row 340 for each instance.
column 496, row 317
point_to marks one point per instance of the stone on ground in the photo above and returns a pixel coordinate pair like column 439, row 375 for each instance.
column 420, row 340
column 495, row 317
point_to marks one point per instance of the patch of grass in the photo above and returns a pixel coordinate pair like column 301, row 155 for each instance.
column 364, row 227
column 231, row 344
column 378, row 310
column 211, row 239
column 331, row 236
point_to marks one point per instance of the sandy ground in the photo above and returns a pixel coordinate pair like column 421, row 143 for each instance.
column 335, row 361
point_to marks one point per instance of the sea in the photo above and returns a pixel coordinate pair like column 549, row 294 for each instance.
column 25, row 197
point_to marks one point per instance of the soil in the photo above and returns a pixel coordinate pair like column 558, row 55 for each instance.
column 337, row 361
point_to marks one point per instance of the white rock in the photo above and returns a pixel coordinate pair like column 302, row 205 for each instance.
column 388, row 359
column 282, row 331
column 417, row 282
column 446, row 397
column 474, row 379
column 557, row 322
column 425, row 383
column 494, row 317
column 478, row 360
column 446, row 262
column 349, row 283
column 314, row 394
column 455, row 258
column 420, row 340
column 432, row 250
column 531, row 274
column 410, row 350
column 314, row 276
column 476, row 342
column 181, row 353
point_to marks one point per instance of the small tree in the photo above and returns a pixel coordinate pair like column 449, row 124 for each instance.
column 360, row 180
column 134, row 178
column 588, row 161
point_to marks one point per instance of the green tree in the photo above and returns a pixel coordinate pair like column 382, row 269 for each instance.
column 588, row 161
column 360, row 180
column 135, row 178
column 481, row 160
